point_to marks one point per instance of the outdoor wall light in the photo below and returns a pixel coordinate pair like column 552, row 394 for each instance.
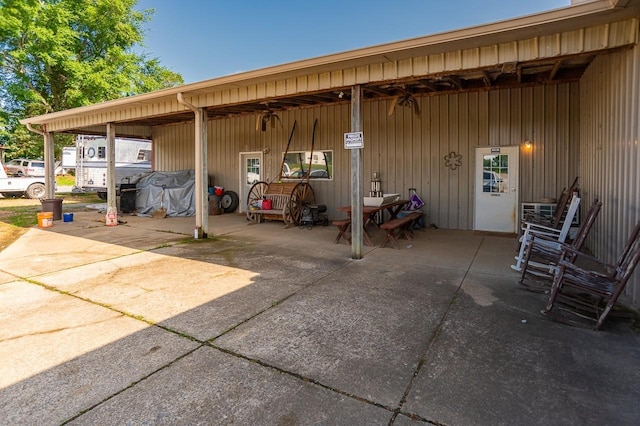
column 528, row 144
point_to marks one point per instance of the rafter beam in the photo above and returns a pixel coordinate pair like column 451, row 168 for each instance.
column 378, row 91
column 554, row 70
column 426, row 83
column 486, row 78
column 456, row 81
column 509, row 67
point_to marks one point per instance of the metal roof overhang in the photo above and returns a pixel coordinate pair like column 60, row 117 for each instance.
column 535, row 71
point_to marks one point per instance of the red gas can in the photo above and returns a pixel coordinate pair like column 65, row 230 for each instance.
column 266, row 204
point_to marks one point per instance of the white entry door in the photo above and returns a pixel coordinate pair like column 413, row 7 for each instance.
column 250, row 173
column 496, row 189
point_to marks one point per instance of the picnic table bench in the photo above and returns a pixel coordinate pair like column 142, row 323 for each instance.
column 400, row 226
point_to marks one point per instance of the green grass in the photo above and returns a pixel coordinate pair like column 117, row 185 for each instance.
column 23, row 217
column 65, row 180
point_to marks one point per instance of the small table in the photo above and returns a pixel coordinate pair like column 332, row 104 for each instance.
column 368, row 212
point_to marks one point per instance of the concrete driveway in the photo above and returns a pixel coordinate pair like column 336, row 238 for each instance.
column 140, row 324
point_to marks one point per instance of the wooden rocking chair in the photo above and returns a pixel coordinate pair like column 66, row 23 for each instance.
column 590, row 294
column 543, row 254
column 559, row 235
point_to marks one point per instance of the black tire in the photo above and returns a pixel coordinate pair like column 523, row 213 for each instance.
column 229, row 201
column 36, row 190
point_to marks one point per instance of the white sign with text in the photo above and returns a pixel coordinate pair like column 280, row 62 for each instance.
column 353, row 140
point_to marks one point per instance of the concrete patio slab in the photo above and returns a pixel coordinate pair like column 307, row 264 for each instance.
column 361, row 331
column 61, row 355
column 262, row 324
column 217, row 388
column 497, row 357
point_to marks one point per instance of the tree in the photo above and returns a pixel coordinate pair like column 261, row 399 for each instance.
column 60, row 54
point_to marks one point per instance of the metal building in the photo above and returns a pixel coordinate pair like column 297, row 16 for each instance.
column 566, row 82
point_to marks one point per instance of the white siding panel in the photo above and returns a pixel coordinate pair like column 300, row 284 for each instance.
column 436, row 63
column 420, row 65
column 489, row 55
column 471, row 58
column 508, row 52
column 610, row 157
column 405, row 68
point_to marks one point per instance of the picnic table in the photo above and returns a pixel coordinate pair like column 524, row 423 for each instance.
column 369, row 213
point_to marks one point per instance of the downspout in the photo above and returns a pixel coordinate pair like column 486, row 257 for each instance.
column 202, row 221
column 49, row 160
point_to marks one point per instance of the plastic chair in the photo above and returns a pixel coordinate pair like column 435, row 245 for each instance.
column 591, row 294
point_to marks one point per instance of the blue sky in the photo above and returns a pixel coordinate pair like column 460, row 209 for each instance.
column 203, row 39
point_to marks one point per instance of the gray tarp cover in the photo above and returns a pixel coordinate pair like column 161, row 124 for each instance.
column 175, row 191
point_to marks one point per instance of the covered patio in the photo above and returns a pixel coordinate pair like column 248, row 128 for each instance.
column 565, row 80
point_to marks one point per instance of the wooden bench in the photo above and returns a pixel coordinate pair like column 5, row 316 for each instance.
column 344, row 226
column 279, row 207
column 287, row 201
column 400, row 226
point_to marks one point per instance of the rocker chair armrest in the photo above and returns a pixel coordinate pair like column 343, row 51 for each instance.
column 596, row 278
column 538, row 228
column 568, row 249
column 544, row 239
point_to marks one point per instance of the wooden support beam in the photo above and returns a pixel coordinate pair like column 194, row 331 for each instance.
column 509, row 67
column 430, row 86
column 456, row 81
column 111, row 166
column 378, row 91
column 356, row 176
column 486, row 78
column 554, row 70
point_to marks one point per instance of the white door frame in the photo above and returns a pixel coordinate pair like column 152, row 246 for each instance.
column 242, row 177
column 496, row 204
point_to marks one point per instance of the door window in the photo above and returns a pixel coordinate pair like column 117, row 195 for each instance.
column 495, row 173
column 252, row 170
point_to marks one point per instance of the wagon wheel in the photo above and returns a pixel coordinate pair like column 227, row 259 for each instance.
column 256, row 193
column 302, row 194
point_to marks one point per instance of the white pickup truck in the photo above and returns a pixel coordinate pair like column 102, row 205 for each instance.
column 31, row 187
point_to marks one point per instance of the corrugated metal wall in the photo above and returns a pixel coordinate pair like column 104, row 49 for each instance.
column 610, row 158
column 406, row 150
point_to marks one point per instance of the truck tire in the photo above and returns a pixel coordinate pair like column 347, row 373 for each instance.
column 36, row 190
column 229, row 201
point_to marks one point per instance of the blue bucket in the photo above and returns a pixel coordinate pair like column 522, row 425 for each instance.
column 67, row 217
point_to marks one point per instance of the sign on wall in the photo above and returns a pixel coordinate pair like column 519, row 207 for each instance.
column 353, row 140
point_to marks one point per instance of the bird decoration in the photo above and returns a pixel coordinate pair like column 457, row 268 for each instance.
column 405, row 99
column 265, row 117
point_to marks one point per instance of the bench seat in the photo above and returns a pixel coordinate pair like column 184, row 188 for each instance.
column 400, row 226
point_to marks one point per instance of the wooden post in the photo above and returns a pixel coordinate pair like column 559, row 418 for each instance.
column 200, row 168
column 49, row 165
column 202, row 195
column 111, row 165
column 356, row 176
